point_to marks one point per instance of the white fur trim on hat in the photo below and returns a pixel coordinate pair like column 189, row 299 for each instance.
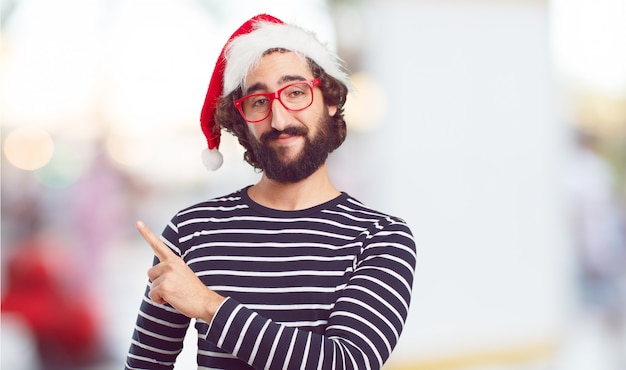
column 245, row 51
column 212, row 159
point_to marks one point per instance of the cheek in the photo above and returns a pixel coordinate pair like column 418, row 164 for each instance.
column 255, row 130
column 313, row 115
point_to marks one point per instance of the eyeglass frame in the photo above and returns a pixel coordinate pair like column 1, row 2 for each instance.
column 275, row 95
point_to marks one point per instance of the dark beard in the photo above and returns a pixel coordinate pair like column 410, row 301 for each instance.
column 313, row 155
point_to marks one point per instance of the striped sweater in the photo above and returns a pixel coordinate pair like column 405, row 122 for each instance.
column 322, row 288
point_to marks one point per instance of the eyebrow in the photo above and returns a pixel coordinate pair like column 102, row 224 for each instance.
column 291, row 78
column 259, row 86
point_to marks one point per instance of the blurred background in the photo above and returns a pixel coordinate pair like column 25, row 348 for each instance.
column 497, row 129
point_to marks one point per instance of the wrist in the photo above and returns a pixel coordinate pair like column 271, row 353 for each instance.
column 211, row 306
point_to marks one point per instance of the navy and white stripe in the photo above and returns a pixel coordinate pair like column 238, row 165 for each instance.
column 323, row 288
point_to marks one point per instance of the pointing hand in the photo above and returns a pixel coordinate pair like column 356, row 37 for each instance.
column 175, row 283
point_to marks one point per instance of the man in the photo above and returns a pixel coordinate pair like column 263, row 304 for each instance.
column 289, row 272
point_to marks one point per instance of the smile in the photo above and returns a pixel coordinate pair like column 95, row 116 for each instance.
column 285, row 139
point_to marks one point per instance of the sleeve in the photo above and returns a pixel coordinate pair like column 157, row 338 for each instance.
column 160, row 329
column 363, row 327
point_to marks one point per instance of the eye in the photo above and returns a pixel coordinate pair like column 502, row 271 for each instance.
column 258, row 101
column 296, row 91
column 296, row 94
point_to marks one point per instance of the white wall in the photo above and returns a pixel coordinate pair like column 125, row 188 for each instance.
column 470, row 154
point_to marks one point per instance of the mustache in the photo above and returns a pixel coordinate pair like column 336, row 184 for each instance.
column 292, row 130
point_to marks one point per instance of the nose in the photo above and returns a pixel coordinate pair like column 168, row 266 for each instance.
column 280, row 116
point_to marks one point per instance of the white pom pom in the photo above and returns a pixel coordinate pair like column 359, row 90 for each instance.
column 212, row 159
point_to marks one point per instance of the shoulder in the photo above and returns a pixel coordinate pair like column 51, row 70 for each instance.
column 375, row 225
column 215, row 205
column 384, row 233
column 359, row 209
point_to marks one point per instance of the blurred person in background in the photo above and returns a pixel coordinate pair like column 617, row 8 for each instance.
column 44, row 296
column 598, row 224
column 289, row 272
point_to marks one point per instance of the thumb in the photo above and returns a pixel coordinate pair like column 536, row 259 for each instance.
column 161, row 250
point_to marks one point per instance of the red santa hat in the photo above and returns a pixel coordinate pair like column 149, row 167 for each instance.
column 242, row 52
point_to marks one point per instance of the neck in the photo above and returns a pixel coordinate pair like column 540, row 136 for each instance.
column 310, row 192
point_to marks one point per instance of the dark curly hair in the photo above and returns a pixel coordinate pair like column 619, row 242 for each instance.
column 333, row 91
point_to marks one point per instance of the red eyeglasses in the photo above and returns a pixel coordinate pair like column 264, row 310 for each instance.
column 295, row 96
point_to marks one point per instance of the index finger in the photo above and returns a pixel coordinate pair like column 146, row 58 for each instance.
column 160, row 249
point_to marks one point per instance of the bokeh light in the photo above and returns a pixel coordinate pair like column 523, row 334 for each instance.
column 128, row 150
column 65, row 167
column 366, row 105
column 28, row 148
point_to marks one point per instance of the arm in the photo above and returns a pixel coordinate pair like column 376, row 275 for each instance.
column 158, row 336
column 363, row 327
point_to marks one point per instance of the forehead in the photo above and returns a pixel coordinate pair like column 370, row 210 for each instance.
column 275, row 65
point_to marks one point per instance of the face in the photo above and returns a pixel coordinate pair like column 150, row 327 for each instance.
column 290, row 145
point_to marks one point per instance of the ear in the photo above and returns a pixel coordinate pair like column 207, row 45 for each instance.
column 332, row 109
